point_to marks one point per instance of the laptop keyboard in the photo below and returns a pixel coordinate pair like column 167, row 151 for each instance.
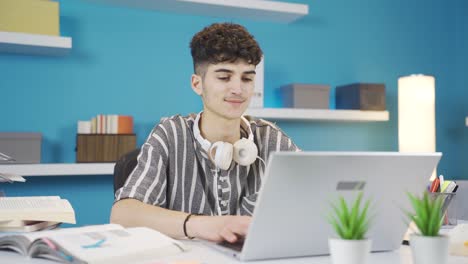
column 234, row 246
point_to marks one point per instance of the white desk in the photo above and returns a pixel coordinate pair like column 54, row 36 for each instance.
column 203, row 254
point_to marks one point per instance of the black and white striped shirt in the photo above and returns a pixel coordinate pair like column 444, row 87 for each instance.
column 174, row 171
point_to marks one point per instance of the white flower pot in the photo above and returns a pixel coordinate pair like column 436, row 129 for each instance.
column 429, row 250
column 349, row 251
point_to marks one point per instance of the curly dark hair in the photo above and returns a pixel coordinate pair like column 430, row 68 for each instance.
column 223, row 42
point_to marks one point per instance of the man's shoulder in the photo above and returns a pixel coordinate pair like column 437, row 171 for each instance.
column 172, row 125
column 259, row 123
column 177, row 120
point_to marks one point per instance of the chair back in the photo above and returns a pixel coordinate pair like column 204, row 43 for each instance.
column 123, row 167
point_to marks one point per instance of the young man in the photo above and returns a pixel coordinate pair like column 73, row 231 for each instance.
column 185, row 183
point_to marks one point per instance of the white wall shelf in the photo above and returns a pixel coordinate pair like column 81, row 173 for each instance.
column 275, row 11
column 34, row 44
column 58, row 169
column 318, row 114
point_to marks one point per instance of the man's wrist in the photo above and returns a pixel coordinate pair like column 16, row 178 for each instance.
column 187, row 233
column 193, row 225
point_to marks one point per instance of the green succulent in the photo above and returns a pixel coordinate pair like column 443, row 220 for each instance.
column 428, row 213
column 351, row 223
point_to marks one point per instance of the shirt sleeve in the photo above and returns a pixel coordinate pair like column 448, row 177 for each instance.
column 147, row 182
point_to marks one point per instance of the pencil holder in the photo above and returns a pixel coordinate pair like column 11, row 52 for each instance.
column 449, row 211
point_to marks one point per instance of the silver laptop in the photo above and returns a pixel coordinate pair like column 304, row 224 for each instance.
column 290, row 218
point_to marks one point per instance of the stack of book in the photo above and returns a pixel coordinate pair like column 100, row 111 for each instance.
column 30, row 16
column 107, row 124
column 25, row 214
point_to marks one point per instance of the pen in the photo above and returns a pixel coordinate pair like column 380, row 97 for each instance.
column 441, row 179
column 435, row 185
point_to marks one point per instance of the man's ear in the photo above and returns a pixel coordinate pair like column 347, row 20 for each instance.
column 197, row 85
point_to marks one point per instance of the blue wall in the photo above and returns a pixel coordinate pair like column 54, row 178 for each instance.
column 137, row 62
column 453, row 104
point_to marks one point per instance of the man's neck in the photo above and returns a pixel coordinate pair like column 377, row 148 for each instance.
column 215, row 128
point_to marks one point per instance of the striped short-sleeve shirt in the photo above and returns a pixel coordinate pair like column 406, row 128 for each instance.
column 174, row 171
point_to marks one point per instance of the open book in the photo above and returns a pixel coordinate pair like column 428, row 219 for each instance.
column 97, row 244
column 34, row 213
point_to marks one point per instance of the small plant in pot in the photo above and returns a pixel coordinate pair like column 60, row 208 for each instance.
column 427, row 246
column 351, row 224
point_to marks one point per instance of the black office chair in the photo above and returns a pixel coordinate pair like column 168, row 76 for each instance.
column 123, row 167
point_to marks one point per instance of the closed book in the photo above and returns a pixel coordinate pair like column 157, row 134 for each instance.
column 114, row 124
column 100, row 124
column 125, row 124
column 30, row 16
column 94, row 125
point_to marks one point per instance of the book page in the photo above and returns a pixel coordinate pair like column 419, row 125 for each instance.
column 14, row 242
column 39, row 208
column 117, row 246
column 71, row 231
column 13, row 238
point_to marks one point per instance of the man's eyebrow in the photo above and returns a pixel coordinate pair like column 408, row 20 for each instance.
column 224, row 70
column 230, row 71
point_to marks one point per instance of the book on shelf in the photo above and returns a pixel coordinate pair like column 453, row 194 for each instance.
column 96, row 244
column 110, row 124
column 34, row 213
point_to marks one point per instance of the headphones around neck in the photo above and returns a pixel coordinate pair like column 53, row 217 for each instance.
column 244, row 151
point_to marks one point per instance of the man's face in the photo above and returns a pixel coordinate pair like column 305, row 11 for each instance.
column 226, row 88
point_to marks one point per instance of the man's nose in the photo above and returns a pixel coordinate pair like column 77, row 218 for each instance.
column 236, row 87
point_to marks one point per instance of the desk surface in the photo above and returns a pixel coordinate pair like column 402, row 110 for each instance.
column 206, row 255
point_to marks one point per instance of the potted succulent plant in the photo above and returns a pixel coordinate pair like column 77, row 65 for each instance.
column 427, row 245
column 351, row 225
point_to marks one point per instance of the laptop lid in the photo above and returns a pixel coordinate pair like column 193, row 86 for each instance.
column 290, row 218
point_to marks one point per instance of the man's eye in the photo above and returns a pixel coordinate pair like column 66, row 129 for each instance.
column 225, row 78
column 247, row 79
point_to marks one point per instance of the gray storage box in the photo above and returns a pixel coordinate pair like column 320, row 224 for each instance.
column 361, row 96
column 313, row 96
column 23, row 147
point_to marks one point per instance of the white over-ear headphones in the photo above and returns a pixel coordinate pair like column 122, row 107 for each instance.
column 244, row 151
